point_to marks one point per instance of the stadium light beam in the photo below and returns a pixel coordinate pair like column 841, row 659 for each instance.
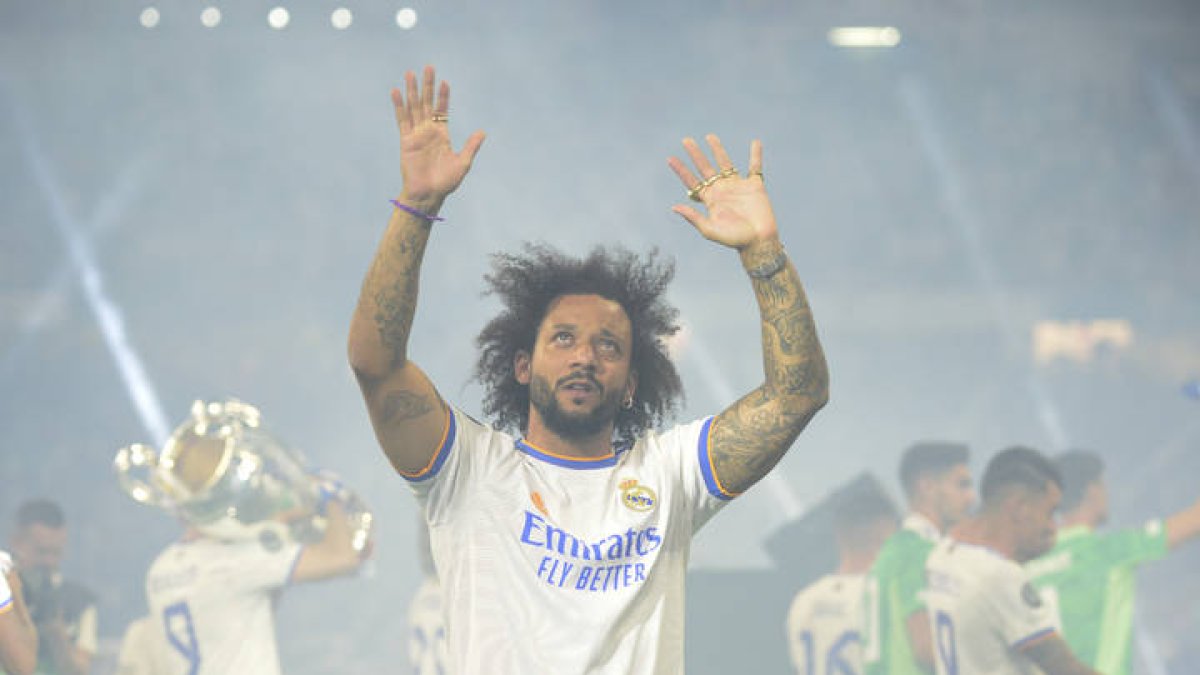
column 106, row 312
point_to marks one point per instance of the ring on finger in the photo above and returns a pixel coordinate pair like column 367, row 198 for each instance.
column 440, row 117
column 694, row 192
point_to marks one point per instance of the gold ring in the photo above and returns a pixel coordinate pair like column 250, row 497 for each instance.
column 694, row 192
column 438, row 117
column 756, row 172
column 731, row 171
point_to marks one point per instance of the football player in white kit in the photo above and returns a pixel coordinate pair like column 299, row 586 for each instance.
column 825, row 620
column 985, row 616
column 212, row 594
column 427, row 616
column 18, row 634
column 563, row 548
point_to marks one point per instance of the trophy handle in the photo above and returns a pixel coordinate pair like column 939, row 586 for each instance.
column 135, row 466
column 328, row 485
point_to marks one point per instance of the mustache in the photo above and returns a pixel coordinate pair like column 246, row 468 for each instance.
column 582, row 376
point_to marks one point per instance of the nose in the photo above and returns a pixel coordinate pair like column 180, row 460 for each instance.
column 584, row 356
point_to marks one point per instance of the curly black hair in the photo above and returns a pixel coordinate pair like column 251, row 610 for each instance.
column 529, row 281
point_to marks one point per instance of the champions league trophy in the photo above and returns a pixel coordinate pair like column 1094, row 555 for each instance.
column 223, row 474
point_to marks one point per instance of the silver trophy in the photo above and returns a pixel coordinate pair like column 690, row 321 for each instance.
column 223, row 474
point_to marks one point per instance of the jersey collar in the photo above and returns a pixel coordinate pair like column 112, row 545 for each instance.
column 922, row 527
column 544, row 455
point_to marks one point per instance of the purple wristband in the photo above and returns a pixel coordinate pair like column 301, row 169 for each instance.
column 409, row 209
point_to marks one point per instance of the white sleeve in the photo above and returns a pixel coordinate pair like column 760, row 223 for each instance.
column 136, row 655
column 87, row 639
column 688, row 444
column 797, row 621
column 1022, row 615
column 6, row 596
column 460, row 459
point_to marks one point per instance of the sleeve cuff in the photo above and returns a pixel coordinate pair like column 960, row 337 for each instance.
column 1032, row 639
column 291, row 575
column 439, row 458
column 704, row 454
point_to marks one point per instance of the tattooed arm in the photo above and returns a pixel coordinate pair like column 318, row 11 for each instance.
column 408, row 415
column 750, row 437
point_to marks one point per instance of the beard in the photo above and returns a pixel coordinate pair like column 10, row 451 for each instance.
column 571, row 425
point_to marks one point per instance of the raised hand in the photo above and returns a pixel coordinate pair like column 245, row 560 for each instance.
column 738, row 211
column 430, row 167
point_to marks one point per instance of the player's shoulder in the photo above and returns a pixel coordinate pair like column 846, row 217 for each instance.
column 988, row 566
column 901, row 549
column 682, row 432
column 808, row 596
column 464, row 427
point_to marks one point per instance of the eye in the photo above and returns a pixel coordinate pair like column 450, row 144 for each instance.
column 609, row 347
column 562, row 337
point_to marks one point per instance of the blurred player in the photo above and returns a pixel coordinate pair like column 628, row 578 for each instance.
column 985, row 615
column 257, row 519
column 824, row 623
column 18, row 635
column 139, row 650
column 1091, row 574
column 64, row 611
column 426, row 616
column 937, row 484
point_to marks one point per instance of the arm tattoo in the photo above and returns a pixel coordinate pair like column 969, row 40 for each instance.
column 751, row 436
column 403, row 405
column 394, row 278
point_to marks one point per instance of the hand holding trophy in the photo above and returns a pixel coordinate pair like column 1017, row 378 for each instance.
column 222, row 473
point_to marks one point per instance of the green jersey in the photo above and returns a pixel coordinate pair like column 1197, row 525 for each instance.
column 1091, row 577
column 894, row 590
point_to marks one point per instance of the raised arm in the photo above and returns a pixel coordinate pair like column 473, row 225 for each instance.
column 334, row 554
column 1183, row 525
column 406, row 411
column 750, row 437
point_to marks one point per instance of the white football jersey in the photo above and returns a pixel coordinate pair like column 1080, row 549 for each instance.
column 983, row 611
column 6, row 596
column 824, row 626
column 427, row 630
column 212, row 606
column 554, row 564
column 139, row 652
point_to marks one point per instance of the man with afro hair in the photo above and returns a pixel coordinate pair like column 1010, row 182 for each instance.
column 561, row 534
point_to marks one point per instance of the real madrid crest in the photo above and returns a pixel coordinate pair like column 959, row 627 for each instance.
column 637, row 497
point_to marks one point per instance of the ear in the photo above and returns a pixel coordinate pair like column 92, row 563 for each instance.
column 521, row 367
column 1017, row 505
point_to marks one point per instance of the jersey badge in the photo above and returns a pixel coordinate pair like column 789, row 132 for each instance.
column 1031, row 597
column 637, row 497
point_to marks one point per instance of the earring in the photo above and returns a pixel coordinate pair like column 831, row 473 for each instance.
column 628, row 403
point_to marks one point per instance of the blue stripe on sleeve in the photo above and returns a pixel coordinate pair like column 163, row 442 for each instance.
column 439, row 458
column 706, row 468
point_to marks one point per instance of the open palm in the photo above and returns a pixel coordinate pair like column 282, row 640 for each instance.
column 430, row 167
column 738, row 210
